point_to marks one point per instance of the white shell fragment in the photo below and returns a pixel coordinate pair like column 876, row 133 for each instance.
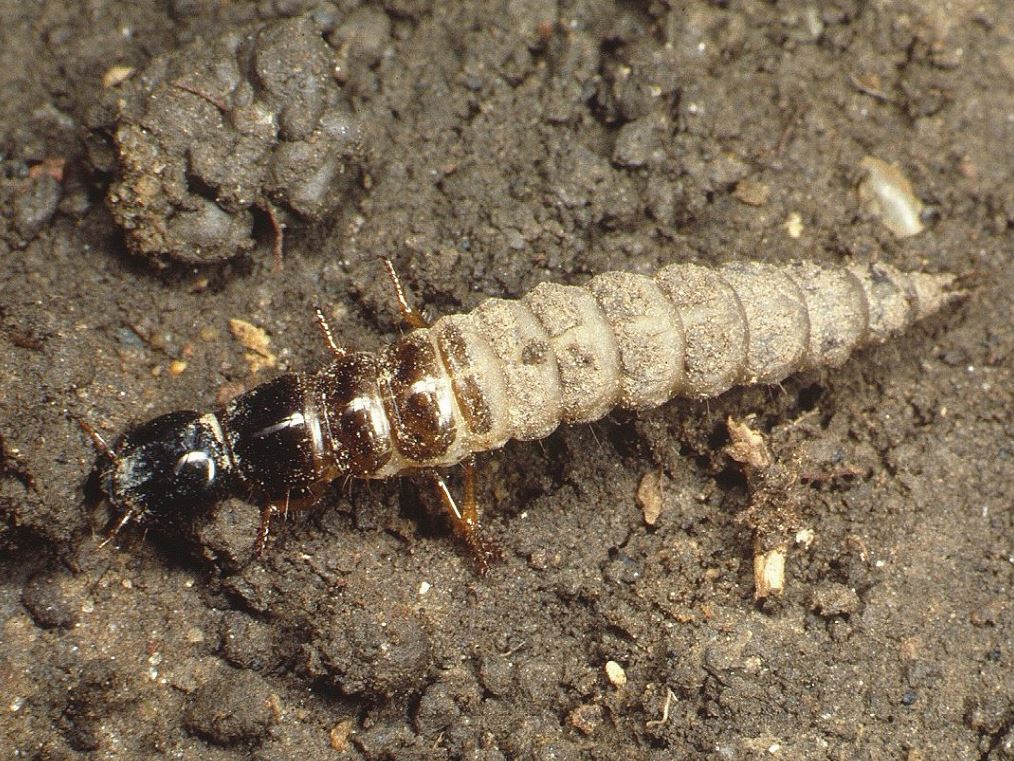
column 769, row 573
column 887, row 194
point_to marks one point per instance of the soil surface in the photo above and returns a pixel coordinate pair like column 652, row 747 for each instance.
column 503, row 144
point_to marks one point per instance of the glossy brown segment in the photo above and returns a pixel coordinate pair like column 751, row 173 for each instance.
column 419, row 399
column 359, row 431
column 471, row 401
column 274, row 435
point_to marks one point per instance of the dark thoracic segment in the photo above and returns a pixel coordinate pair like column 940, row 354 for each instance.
column 274, row 434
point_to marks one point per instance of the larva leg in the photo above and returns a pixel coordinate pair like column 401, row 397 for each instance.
column 268, row 513
column 278, row 228
column 465, row 519
column 470, row 513
column 412, row 316
column 103, row 449
column 484, row 551
column 272, row 510
column 325, row 329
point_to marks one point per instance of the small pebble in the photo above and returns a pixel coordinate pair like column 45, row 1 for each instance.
column 649, row 496
column 247, row 642
column 194, row 635
column 886, row 194
column 769, row 573
column 833, row 599
column 257, row 343
column 615, row 674
column 50, row 601
column 804, row 537
column 638, row 141
column 35, row 205
column 115, row 75
column 794, row 225
column 586, row 718
column 752, row 192
column 340, row 733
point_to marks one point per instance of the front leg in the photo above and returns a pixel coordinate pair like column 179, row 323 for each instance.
column 272, row 510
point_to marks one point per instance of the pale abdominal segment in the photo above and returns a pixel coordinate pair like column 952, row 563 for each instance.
column 570, row 354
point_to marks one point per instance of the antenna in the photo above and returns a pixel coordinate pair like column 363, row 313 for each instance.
column 97, row 441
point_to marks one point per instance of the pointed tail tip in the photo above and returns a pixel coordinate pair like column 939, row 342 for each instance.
column 935, row 291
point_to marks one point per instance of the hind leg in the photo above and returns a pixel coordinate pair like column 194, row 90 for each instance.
column 465, row 519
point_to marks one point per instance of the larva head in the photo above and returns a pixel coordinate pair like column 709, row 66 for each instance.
column 167, row 470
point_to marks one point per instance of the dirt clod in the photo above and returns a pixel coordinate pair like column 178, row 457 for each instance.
column 205, row 135
column 52, row 600
column 237, row 706
column 370, row 651
column 832, row 599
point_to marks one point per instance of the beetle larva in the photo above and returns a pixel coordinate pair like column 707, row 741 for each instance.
column 511, row 369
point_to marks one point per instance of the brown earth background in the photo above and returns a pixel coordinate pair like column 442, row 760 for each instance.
column 509, row 143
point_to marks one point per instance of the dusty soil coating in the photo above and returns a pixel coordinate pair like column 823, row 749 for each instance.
column 509, row 144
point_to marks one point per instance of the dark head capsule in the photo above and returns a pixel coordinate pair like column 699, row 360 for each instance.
column 169, row 469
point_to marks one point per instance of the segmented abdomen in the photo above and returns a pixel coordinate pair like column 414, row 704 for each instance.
column 568, row 354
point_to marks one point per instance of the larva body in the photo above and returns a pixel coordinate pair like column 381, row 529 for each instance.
column 515, row 369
